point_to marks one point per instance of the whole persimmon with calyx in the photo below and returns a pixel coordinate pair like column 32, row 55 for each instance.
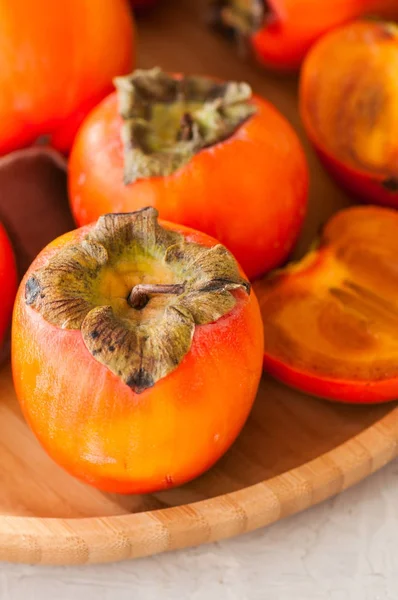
column 348, row 103
column 281, row 32
column 57, row 62
column 137, row 352
column 331, row 320
column 8, row 282
column 205, row 154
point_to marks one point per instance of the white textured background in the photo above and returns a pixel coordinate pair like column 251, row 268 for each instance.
column 343, row 549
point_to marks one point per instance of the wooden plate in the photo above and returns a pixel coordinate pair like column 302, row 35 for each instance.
column 295, row 451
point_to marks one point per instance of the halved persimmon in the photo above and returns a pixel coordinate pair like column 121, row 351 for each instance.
column 348, row 103
column 331, row 320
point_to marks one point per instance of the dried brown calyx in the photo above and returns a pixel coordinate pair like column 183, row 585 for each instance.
column 167, row 120
column 136, row 291
column 241, row 18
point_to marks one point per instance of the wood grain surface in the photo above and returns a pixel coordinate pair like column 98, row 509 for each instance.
column 294, row 451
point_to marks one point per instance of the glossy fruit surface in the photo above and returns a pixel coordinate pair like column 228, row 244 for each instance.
column 293, row 26
column 348, row 103
column 248, row 191
column 57, row 61
column 125, row 432
column 8, row 279
column 282, row 31
column 330, row 321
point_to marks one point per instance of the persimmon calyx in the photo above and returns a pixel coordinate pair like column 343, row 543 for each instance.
column 241, row 17
column 167, row 120
column 140, row 336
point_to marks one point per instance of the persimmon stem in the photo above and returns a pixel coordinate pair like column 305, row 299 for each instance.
column 141, row 293
column 239, row 17
column 187, row 123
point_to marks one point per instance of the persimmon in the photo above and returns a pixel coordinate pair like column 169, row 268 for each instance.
column 137, row 351
column 348, row 101
column 57, row 61
column 281, row 32
column 205, row 154
column 331, row 320
column 8, row 281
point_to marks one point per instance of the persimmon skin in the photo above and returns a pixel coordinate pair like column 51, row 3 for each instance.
column 99, row 430
column 347, row 392
column 293, row 26
column 249, row 191
column 365, row 162
column 329, row 321
column 8, row 280
column 57, row 62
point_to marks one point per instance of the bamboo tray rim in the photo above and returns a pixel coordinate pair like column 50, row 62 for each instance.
column 90, row 540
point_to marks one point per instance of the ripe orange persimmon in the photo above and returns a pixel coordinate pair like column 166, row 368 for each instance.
column 282, row 31
column 348, row 101
column 137, row 352
column 8, row 281
column 330, row 321
column 208, row 155
column 57, row 61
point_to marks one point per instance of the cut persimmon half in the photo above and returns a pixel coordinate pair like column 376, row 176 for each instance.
column 331, row 320
column 348, row 104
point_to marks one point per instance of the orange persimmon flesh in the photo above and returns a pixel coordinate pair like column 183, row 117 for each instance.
column 331, row 320
column 349, row 106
